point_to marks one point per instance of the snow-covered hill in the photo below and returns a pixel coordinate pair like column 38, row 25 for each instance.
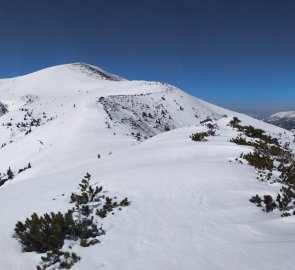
column 283, row 119
column 189, row 200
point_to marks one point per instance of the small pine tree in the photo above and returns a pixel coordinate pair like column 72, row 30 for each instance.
column 88, row 194
column 270, row 205
column 10, row 174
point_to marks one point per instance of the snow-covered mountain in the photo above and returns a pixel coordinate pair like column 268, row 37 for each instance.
column 283, row 119
column 190, row 204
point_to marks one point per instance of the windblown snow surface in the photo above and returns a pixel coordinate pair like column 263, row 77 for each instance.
column 189, row 207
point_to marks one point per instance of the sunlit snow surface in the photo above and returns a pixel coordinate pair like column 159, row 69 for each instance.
column 190, row 206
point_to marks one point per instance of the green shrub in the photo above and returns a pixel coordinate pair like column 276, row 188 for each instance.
column 211, row 132
column 199, row 136
column 109, row 206
column 257, row 200
column 270, row 205
column 240, row 141
column 10, row 174
column 48, row 232
column 212, row 126
column 42, row 234
column 259, row 134
column 288, row 173
column 284, row 201
column 259, row 161
column 88, row 194
column 267, row 150
column 235, row 123
column 252, row 132
column 285, row 214
column 124, row 202
column 267, row 203
column 65, row 259
column 208, row 119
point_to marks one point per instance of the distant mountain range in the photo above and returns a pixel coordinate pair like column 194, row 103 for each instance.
column 282, row 119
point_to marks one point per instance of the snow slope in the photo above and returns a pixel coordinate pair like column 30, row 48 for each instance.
column 190, row 207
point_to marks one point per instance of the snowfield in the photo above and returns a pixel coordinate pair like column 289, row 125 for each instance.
column 190, row 204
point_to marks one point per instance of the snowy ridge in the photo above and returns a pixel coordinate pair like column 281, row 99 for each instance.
column 189, row 200
column 94, row 72
column 283, row 119
column 290, row 114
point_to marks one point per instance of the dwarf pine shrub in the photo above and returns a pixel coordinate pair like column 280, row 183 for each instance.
column 199, row 136
column 288, row 173
column 252, row 132
column 267, row 203
column 88, row 193
column 211, row 132
column 257, row 133
column 240, row 141
column 65, row 259
column 285, row 198
column 256, row 200
column 124, row 202
column 208, row 119
column 109, row 206
column 268, row 150
column 283, row 202
column 47, row 233
column 235, row 123
column 270, row 205
column 10, row 174
column 259, row 161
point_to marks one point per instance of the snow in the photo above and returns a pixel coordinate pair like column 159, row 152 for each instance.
column 190, row 205
column 290, row 114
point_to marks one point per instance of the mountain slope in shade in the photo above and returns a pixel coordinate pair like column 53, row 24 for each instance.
column 190, row 207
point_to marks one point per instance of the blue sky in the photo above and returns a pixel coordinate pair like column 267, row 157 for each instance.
column 238, row 54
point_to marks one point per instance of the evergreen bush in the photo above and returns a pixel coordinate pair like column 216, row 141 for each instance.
column 47, row 233
column 259, row 161
column 235, row 123
column 65, row 259
column 199, row 136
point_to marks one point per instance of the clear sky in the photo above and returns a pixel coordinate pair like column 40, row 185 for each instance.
column 238, row 54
